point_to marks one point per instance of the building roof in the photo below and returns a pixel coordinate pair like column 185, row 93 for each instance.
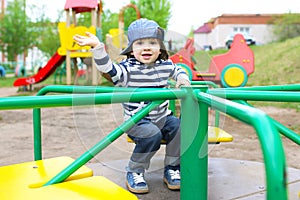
column 203, row 29
column 236, row 19
column 80, row 6
column 245, row 19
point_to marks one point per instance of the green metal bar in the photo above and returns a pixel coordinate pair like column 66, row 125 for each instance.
column 89, row 89
column 290, row 87
column 88, row 155
column 281, row 128
column 87, row 99
column 194, row 156
column 210, row 83
column 37, row 134
column 287, row 132
column 257, row 95
column 269, row 138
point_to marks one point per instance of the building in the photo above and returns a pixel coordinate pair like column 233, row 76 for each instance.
column 215, row 32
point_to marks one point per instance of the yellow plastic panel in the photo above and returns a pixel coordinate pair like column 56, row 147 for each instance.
column 66, row 38
column 25, row 180
column 16, row 178
column 216, row 135
column 91, row 188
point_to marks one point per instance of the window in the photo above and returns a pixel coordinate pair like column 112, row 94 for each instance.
column 241, row 29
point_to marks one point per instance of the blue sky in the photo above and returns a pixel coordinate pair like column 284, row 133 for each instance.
column 188, row 14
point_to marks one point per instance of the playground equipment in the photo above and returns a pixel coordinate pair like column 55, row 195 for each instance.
column 2, row 71
column 121, row 20
column 69, row 49
column 194, row 166
column 116, row 40
column 230, row 69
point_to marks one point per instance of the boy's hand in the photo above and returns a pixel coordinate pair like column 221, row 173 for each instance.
column 182, row 80
column 88, row 40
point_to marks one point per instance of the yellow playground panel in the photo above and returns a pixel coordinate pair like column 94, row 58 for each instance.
column 215, row 136
column 26, row 180
column 118, row 36
column 67, row 43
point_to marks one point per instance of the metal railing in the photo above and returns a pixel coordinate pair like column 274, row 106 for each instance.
column 195, row 102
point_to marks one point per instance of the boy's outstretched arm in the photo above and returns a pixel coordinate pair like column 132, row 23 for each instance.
column 92, row 41
column 88, row 40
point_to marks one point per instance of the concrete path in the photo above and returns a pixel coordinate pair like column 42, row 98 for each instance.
column 227, row 179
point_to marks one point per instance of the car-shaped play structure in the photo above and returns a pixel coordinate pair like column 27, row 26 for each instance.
column 230, row 69
column 248, row 38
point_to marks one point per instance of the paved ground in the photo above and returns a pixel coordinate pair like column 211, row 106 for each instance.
column 228, row 179
column 230, row 176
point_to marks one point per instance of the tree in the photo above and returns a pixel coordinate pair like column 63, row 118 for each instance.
column 46, row 36
column 157, row 10
column 15, row 33
column 287, row 26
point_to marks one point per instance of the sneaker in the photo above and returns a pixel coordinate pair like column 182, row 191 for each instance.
column 172, row 177
column 136, row 183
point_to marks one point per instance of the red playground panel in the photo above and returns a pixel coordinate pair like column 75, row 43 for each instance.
column 55, row 61
column 230, row 69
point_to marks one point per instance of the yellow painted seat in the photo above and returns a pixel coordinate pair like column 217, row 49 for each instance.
column 131, row 141
column 215, row 136
column 25, row 180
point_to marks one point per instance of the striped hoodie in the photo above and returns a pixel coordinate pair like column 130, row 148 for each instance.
column 131, row 73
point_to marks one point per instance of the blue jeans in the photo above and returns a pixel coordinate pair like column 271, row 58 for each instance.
column 147, row 136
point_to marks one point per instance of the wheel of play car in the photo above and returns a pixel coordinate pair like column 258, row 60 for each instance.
column 234, row 75
column 186, row 69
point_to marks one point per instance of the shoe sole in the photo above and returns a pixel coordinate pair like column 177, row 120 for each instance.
column 171, row 187
column 137, row 191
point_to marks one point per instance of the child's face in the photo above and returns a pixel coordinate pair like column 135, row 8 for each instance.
column 146, row 50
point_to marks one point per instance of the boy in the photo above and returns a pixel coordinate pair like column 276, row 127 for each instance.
column 147, row 65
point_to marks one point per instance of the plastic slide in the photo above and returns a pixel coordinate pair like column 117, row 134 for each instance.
column 55, row 61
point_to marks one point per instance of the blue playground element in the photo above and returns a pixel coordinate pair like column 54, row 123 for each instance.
column 2, row 71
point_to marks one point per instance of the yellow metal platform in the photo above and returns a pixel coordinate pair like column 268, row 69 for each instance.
column 215, row 136
column 26, row 180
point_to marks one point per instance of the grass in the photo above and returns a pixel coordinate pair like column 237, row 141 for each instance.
column 7, row 82
column 276, row 63
column 52, row 80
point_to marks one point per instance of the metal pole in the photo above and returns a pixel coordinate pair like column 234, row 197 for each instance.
column 37, row 134
column 194, row 156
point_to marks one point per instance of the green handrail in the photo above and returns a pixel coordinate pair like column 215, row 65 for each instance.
column 107, row 140
column 69, row 89
column 268, row 136
column 27, row 102
column 281, row 128
column 195, row 105
column 288, row 87
column 212, row 84
column 251, row 95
